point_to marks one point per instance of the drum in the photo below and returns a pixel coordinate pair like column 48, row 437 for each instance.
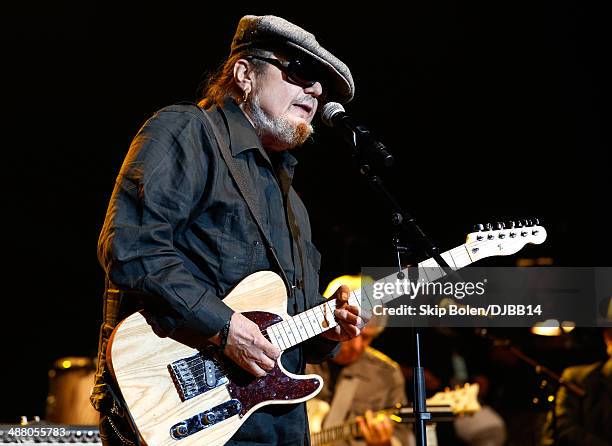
column 70, row 382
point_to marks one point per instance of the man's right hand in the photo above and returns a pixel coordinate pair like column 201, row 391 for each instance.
column 247, row 346
column 376, row 430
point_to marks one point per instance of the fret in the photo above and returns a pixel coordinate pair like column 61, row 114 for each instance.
column 368, row 300
column 327, row 313
column 275, row 337
column 431, row 270
column 354, row 298
column 306, row 323
column 313, row 321
column 318, row 313
column 289, row 333
column 297, row 320
column 390, row 296
column 392, row 278
column 294, row 330
column 462, row 256
column 448, row 258
column 283, row 334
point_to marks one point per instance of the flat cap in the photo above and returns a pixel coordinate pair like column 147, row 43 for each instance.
column 268, row 31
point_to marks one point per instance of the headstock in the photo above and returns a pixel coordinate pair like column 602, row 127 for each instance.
column 462, row 400
column 501, row 239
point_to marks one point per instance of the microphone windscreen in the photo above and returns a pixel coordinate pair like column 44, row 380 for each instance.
column 328, row 112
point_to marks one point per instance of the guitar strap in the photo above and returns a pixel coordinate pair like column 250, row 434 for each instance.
column 341, row 403
column 238, row 175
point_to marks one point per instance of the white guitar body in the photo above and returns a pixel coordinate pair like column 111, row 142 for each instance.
column 139, row 359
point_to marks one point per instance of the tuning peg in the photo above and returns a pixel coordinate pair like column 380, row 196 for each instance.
column 536, row 222
column 511, row 224
column 479, row 227
column 500, row 225
column 489, row 227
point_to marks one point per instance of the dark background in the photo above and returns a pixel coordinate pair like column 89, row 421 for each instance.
column 493, row 110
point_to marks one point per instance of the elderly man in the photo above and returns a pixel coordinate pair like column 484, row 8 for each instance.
column 179, row 233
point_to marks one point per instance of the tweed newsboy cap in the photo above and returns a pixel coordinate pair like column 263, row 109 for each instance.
column 268, row 31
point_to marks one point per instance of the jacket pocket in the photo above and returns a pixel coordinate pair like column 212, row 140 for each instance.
column 311, row 274
column 235, row 260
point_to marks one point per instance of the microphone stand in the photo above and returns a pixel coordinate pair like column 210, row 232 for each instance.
column 400, row 218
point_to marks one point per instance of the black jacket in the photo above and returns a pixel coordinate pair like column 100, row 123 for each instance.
column 178, row 236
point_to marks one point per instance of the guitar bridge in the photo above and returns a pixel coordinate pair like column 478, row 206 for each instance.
column 196, row 375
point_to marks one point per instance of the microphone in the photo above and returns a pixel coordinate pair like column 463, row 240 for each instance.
column 334, row 115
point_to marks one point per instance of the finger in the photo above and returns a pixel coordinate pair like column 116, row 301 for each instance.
column 379, row 425
column 342, row 296
column 343, row 290
column 353, row 309
column 264, row 361
column 388, row 427
column 269, row 349
column 344, row 315
column 350, row 329
column 254, row 369
column 363, row 428
column 369, row 420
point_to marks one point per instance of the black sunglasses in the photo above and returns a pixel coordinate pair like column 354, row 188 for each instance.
column 298, row 71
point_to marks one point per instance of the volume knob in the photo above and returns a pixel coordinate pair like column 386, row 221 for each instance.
column 180, row 430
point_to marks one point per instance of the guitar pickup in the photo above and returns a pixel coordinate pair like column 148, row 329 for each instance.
column 196, row 375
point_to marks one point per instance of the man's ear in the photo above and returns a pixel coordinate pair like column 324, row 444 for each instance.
column 244, row 75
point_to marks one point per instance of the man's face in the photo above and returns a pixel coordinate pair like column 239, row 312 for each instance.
column 351, row 350
column 281, row 110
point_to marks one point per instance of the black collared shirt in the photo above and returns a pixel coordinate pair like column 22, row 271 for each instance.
column 178, row 235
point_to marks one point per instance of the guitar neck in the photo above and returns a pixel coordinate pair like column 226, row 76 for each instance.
column 315, row 321
column 345, row 431
column 350, row 429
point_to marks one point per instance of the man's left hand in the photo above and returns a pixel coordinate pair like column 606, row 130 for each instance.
column 347, row 316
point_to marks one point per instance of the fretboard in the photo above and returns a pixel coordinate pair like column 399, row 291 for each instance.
column 315, row 321
column 330, row 435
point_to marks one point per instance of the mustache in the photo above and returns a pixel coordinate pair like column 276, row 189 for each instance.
column 307, row 100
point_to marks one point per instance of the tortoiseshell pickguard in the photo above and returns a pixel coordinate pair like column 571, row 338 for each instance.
column 276, row 385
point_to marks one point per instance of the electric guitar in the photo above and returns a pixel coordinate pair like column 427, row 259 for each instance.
column 443, row 406
column 181, row 391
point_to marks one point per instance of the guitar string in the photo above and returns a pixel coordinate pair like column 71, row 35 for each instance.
column 461, row 252
column 457, row 255
column 265, row 333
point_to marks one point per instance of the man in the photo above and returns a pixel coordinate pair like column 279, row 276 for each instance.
column 584, row 420
column 178, row 233
column 360, row 380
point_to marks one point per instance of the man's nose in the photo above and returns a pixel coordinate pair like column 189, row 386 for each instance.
column 314, row 90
